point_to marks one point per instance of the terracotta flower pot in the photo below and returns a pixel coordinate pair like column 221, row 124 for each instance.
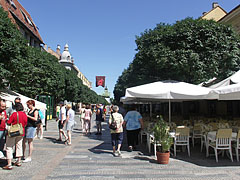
column 163, row 158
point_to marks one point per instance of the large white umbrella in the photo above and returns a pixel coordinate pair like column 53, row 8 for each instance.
column 167, row 90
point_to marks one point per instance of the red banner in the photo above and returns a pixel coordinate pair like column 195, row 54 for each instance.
column 100, row 81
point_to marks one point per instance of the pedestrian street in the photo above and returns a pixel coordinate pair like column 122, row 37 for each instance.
column 90, row 157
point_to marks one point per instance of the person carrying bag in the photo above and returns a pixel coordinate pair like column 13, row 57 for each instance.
column 16, row 129
column 16, row 132
column 116, row 129
column 113, row 124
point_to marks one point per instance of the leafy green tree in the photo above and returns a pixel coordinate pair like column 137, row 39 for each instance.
column 190, row 50
column 31, row 71
column 12, row 48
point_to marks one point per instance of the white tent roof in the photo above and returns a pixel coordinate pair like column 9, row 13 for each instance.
column 167, row 90
column 230, row 92
column 234, row 79
column 10, row 96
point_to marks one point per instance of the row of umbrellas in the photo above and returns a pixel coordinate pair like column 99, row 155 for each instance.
column 172, row 91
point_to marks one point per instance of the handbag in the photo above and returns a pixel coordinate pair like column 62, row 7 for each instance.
column 113, row 124
column 16, row 129
column 39, row 119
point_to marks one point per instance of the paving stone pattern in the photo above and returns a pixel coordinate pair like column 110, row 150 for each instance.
column 90, row 157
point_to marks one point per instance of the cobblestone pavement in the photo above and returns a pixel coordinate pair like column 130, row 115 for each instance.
column 90, row 157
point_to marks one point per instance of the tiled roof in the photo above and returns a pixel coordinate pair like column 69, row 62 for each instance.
column 232, row 11
column 16, row 12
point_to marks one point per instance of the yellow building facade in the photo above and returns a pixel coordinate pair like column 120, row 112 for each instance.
column 216, row 13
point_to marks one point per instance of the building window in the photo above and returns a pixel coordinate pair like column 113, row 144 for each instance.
column 13, row 4
column 27, row 19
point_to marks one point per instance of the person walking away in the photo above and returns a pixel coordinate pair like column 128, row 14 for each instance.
column 30, row 129
column 69, row 123
column 61, row 121
column 17, row 117
column 82, row 115
column 87, row 119
column 116, row 135
column 99, row 119
column 3, row 119
column 134, row 123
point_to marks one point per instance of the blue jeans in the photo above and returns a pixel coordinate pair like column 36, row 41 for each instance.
column 2, row 140
column 117, row 138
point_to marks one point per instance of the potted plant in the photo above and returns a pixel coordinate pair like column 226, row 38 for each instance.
column 162, row 136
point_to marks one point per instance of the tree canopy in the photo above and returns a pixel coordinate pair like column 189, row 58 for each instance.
column 31, row 71
column 190, row 50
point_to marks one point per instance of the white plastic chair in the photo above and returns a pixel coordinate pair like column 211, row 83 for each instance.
column 237, row 145
column 223, row 142
column 142, row 133
column 197, row 133
column 150, row 141
column 181, row 139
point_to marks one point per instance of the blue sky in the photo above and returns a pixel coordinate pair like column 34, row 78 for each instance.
column 101, row 33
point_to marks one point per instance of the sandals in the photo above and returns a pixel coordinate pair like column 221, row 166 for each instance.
column 7, row 167
column 67, row 143
column 18, row 164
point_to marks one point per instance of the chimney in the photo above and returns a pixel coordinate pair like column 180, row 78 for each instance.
column 214, row 5
column 58, row 49
column 204, row 13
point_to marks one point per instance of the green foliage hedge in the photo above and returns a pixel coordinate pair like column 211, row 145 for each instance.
column 190, row 50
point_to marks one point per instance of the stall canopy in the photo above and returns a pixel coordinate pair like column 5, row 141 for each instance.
column 230, row 92
column 10, row 96
column 167, row 90
column 234, row 79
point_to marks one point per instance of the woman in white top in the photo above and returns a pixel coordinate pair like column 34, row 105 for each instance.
column 87, row 119
column 70, row 123
column 82, row 115
column 116, row 135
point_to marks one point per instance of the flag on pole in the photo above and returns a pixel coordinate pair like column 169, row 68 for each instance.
column 100, row 81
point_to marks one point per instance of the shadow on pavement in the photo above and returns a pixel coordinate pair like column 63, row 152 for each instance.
column 54, row 140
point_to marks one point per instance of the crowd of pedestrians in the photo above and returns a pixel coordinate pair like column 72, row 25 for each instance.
column 15, row 114
column 131, row 121
column 30, row 123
